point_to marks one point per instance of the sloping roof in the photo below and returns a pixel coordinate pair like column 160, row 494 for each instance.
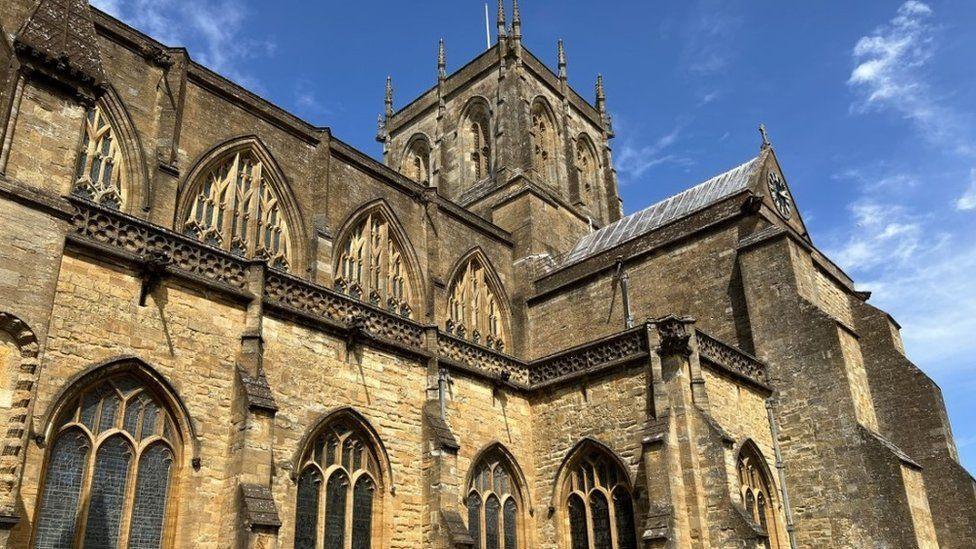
column 60, row 34
column 657, row 215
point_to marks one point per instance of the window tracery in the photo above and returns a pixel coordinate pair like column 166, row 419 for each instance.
column 587, row 169
column 236, row 208
column 475, row 307
column 477, row 142
column 416, row 161
column 110, row 471
column 338, row 495
column 543, row 141
column 372, row 265
column 493, row 505
column 599, row 503
column 755, row 490
column 100, row 176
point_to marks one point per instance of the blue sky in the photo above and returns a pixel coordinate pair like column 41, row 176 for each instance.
column 869, row 106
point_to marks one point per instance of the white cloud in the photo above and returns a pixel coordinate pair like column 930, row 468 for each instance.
column 212, row 30
column 634, row 160
column 968, row 199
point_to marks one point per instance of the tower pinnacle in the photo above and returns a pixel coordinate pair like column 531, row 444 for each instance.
column 516, row 20
column 441, row 60
column 389, row 97
column 561, row 55
column 500, row 19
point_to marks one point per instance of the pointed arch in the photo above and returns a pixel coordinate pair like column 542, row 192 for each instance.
column 415, row 161
column 545, row 138
column 111, row 166
column 477, row 305
column 342, row 472
column 237, row 197
column 476, row 137
column 588, row 170
column 757, row 491
column 594, row 496
column 496, row 496
column 19, row 367
column 116, row 439
column 375, row 262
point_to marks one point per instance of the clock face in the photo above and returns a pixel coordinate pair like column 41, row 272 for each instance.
column 780, row 194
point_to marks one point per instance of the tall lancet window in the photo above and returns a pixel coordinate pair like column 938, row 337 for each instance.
column 416, row 160
column 474, row 306
column 237, row 208
column 110, row 472
column 543, row 141
column 598, row 503
column 372, row 266
column 494, row 507
column 755, row 489
column 100, row 176
column 587, row 170
column 476, row 142
column 338, row 499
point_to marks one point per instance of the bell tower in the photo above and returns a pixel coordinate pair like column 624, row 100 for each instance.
column 507, row 137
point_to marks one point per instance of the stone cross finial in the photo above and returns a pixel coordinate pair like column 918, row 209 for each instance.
column 765, row 137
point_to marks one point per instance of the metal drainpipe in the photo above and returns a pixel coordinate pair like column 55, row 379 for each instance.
column 774, row 430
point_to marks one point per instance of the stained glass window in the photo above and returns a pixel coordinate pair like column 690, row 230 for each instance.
column 475, row 307
column 372, row 265
column 100, row 176
column 343, row 452
column 594, row 476
column 237, row 208
column 493, row 503
column 126, row 484
column 755, row 491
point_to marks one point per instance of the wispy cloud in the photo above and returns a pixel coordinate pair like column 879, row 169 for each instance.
column 213, row 31
column 712, row 29
column 968, row 199
column 634, row 159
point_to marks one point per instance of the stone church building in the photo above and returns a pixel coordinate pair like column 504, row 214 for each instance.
column 221, row 326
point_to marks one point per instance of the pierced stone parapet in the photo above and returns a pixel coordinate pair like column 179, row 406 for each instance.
column 731, row 359
column 491, row 362
column 595, row 355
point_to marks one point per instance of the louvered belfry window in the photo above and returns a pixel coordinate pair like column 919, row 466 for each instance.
column 599, row 504
column 100, row 176
column 543, row 142
column 755, row 490
column 493, row 507
column 372, row 266
column 338, row 494
column 474, row 307
column 587, row 171
column 110, row 472
column 237, row 208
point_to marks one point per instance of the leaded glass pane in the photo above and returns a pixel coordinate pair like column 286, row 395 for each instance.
column 600, row 511
column 362, row 513
column 623, row 508
column 149, row 414
column 474, row 517
column 511, row 524
column 307, row 508
column 131, row 422
column 335, row 511
column 107, row 494
column 89, row 409
column 577, row 523
column 62, row 489
column 492, row 537
column 152, row 488
column 110, row 406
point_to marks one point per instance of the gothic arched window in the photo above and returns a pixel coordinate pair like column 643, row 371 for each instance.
column 237, row 208
column 339, row 492
column 474, row 306
column 598, row 502
column 476, row 142
column 494, row 507
column 416, row 160
column 110, row 471
column 755, row 489
column 372, row 265
column 100, row 176
column 587, row 170
column 543, row 141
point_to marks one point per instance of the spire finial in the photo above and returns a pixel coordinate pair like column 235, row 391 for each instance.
column 500, row 19
column 516, row 19
column 600, row 96
column 561, row 55
column 766, row 144
column 389, row 96
column 441, row 60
